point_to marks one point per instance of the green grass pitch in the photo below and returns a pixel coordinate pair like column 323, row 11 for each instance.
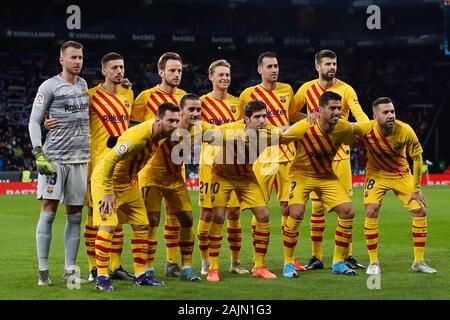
column 18, row 266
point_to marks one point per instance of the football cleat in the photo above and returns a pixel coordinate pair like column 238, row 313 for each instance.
column 298, row 266
column 150, row 273
column 145, row 280
column 213, row 275
column 353, row 264
column 92, row 274
column 340, row 268
column 44, row 279
column 373, row 268
column 421, row 266
column 237, row 268
column 314, row 264
column 71, row 276
column 205, row 267
column 289, row 271
column 172, row 270
column 189, row 274
column 104, row 283
column 263, row 272
column 121, row 274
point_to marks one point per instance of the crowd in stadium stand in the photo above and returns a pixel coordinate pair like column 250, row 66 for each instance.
column 22, row 73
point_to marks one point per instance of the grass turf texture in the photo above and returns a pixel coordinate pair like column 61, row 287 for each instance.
column 18, row 270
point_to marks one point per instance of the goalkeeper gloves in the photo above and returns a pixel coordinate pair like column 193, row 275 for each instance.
column 44, row 164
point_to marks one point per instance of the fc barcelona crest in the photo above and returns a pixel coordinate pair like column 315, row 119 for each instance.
column 283, row 99
column 397, row 146
column 126, row 103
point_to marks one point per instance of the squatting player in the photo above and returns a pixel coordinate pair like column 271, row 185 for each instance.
column 230, row 173
column 170, row 70
column 387, row 141
column 311, row 170
column 166, row 181
column 116, row 195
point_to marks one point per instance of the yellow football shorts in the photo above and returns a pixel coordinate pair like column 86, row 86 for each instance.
column 175, row 194
column 131, row 207
column 266, row 173
column 330, row 190
column 204, row 199
column 248, row 191
column 375, row 188
column 343, row 170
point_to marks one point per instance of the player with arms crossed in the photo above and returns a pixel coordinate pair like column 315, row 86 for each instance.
column 387, row 141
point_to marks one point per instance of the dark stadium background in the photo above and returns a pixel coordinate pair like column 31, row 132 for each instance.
column 404, row 60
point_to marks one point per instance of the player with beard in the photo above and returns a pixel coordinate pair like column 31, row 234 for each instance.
column 317, row 144
column 308, row 95
column 144, row 108
column 109, row 114
column 62, row 160
column 387, row 141
column 272, row 165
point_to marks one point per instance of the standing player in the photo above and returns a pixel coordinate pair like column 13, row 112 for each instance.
column 110, row 107
column 311, row 170
column 273, row 163
column 309, row 95
column 144, row 108
column 218, row 107
column 109, row 114
column 62, row 161
column 228, row 175
column 387, row 140
column 165, row 179
column 116, row 196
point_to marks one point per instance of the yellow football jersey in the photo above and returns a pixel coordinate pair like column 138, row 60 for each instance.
column 315, row 148
column 387, row 155
column 280, row 104
column 109, row 117
column 148, row 101
column 161, row 164
column 120, row 166
column 309, row 94
column 217, row 111
column 233, row 158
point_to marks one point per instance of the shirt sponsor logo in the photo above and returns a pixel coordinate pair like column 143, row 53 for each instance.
column 76, row 107
column 115, row 118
